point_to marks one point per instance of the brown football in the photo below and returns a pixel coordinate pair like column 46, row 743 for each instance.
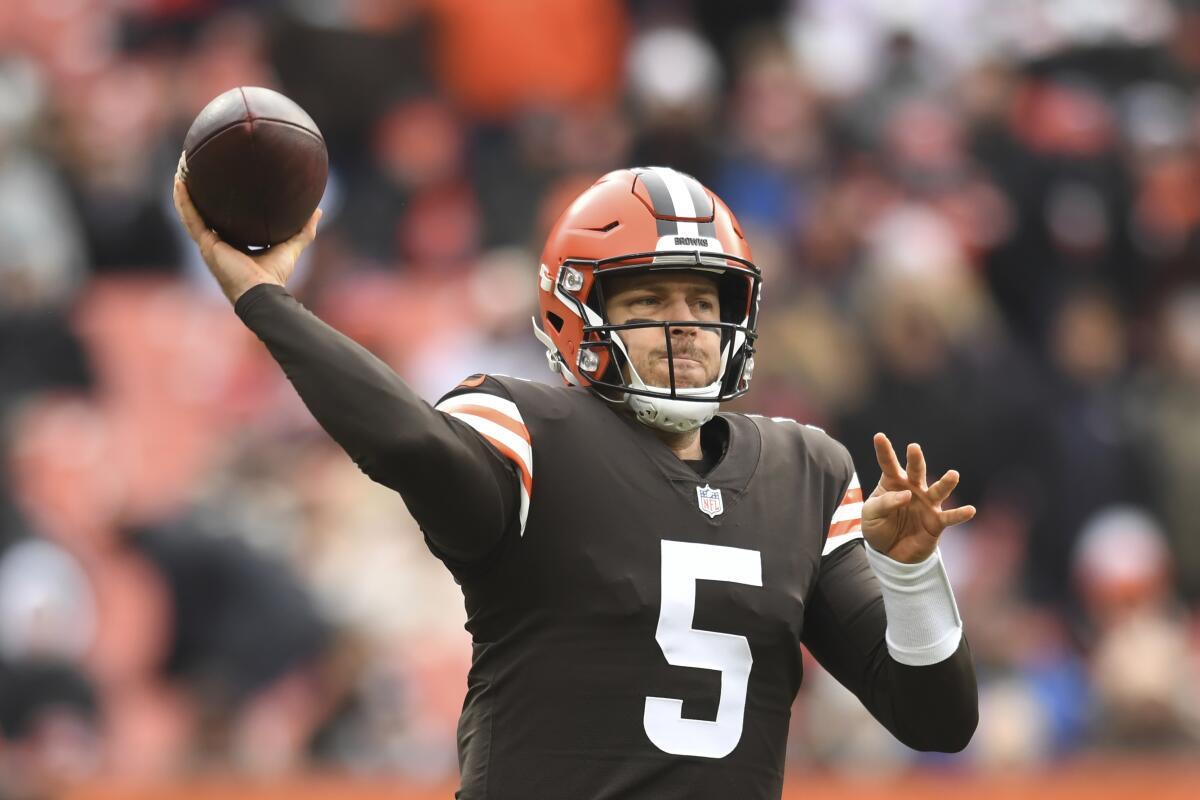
column 255, row 166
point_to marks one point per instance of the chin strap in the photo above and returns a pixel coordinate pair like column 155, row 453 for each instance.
column 675, row 416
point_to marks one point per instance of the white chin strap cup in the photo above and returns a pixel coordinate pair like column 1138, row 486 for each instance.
column 675, row 416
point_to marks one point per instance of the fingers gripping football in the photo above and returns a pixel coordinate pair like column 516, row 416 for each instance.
column 204, row 237
column 903, row 517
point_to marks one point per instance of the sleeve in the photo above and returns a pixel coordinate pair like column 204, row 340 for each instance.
column 927, row 706
column 463, row 493
column 932, row 708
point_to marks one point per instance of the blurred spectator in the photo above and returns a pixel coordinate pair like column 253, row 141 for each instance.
column 1165, row 408
column 168, row 612
column 112, row 145
column 674, row 79
column 1071, row 195
column 347, row 63
column 245, row 645
column 41, row 251
column 1087, row 456
column 50, row 725
column 933, row 353
column 47, row 609
column 518, row 170
column 776, row 140
column 39, row 352
column 1144, row 675
column 418, row 152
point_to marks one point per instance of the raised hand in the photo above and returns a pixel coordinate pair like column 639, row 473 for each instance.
column 234, row 270
column 903, row 517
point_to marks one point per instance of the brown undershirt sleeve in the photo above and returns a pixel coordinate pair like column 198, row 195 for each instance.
column 931, row 708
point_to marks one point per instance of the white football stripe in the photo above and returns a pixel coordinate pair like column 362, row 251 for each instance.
column 848, row 511
column 506, row 407
column 502, row 435
column 681, row 199
column 524, row 512
column 853, row 482
column 834, row 542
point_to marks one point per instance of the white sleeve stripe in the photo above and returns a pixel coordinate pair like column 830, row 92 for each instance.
column 524, row 511
column 506, row 407
column 848, row 511
column 834, row 542
column 502, row 435
column 853, row 482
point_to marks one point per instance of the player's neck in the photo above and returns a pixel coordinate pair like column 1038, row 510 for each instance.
column 685, row 445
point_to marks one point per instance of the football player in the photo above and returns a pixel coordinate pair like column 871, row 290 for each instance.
column 640, row 569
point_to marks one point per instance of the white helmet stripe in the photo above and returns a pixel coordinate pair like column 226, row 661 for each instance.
column 681, row 198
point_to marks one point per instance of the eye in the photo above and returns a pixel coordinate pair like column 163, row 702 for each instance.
column 648, row 300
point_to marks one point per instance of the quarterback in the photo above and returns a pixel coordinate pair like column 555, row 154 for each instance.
column 639, row 568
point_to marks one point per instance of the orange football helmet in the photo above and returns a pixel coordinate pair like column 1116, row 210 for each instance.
column 635, row 220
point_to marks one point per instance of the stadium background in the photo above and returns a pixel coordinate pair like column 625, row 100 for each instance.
column 980, row 228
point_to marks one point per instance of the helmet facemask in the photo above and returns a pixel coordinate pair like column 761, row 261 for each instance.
column 604, row 360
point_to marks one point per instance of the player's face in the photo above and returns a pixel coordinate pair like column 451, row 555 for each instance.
column 676, row 296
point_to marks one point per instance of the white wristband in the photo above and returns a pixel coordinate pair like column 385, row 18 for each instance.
column 923, row 625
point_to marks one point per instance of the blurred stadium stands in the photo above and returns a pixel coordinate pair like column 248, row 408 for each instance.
column 980, row 228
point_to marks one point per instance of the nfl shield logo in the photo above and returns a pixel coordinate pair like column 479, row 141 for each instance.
column 709, row 500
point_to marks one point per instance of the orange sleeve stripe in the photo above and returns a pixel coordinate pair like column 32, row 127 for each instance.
column 471, row 383
column 492, row 415
column 506, row 451
column 845, row 526
column 852, row 496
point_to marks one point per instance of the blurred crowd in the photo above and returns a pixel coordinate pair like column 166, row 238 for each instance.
column 979, row 225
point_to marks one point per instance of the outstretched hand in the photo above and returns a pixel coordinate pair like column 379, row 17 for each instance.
column 903, row 517
column 234, row 270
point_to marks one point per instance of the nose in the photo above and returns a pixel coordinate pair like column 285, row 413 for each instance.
column 679, row 310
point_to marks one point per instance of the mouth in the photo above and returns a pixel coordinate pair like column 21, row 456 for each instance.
column 682, row 360
column 682, row 366
column 688, row 371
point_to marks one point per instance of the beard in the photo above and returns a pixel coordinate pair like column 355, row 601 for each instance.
column 693, row 368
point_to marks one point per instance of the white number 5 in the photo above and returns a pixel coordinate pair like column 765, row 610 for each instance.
column 684, row 563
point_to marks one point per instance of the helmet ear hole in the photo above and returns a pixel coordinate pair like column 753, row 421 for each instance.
column 555, row 320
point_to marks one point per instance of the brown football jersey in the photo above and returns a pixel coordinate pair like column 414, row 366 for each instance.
column 637, row 631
